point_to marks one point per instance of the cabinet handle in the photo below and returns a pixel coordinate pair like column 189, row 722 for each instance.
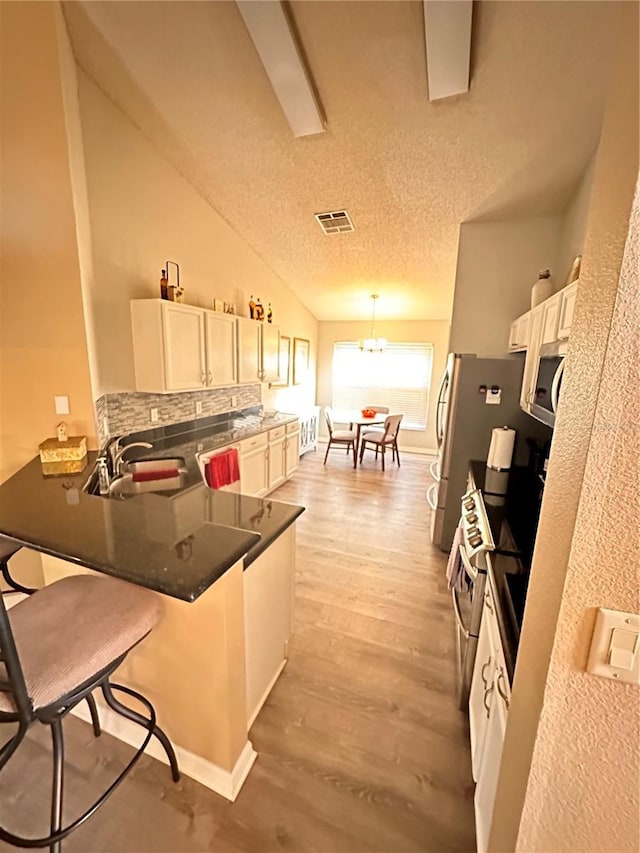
column 482, row 671
column 487, row 693
column 501, row 691
column 487, row 601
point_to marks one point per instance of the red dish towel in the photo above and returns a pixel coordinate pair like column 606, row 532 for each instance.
column 222, row 469
column 143, row 476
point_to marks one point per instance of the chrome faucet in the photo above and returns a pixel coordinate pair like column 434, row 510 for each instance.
column 118, row 459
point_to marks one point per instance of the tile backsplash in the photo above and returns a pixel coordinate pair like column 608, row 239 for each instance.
column 117, row 414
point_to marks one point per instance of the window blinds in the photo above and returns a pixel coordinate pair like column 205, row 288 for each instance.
column 398, row 377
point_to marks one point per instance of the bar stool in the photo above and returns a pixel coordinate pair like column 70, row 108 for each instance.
column 9, row 547
column 56, row 647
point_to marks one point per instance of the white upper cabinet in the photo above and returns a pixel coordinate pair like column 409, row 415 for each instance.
column 220, row 338
column 249, row 367
column 531, row 360
column 270, row 353
column 519, row 335
column 181, row 347
column 567, row 306
column 550, row 318
column 258, row 351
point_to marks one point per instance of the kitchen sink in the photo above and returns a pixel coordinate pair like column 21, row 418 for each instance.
column 143, row 475
column 151, row 466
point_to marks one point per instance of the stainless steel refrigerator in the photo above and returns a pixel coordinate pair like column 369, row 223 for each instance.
column 464, row 421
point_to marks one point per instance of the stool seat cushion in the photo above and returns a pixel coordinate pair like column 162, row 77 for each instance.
column 71, row 630
column 343, row 435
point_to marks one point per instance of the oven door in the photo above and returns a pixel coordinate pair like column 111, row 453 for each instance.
column 467, row 608
column 548, row 381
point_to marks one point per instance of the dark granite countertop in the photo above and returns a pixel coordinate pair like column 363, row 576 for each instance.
column 512, row 502
column 175, row 542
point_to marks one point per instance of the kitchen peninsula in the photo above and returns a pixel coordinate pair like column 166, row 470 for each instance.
column 224, row 565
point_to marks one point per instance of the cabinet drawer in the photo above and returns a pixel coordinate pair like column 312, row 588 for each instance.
column 294, row 426
column 250, row 444
column 276, row 434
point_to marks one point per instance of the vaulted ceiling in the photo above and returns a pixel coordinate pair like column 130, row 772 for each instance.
column 408, row 171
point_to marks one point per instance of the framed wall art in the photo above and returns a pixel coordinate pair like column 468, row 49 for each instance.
column 300, row 360
column 285, row 363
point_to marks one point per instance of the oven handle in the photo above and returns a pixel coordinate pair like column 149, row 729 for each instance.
column 469, row 569
column 555, row 385
column 456, row 608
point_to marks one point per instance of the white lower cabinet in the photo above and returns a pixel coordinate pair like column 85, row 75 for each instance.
column 254, row 472
column 277, row 440
column 292, row 449
column 488, row 708
column 268, row 459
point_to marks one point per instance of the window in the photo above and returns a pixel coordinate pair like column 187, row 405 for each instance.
column 398, row 377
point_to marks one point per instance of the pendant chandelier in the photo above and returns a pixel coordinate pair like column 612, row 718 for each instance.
column 373, row 344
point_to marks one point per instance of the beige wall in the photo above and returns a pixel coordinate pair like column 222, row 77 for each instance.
column 567, row 754
column 498, row 262
column 43, row 349
column 144, row 212
column 435, row 332
column 574, row 225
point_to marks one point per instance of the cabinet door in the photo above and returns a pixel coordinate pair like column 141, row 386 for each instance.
column 254, row 471
column 248, row 332
column 531, row 360
column 550, row 319
column 567, row 307
column 270, row 353
column 489, row 770
column 184, row 350
column 482, row 690
column 276, row 462
column 220, row 338
column 519, row 335
column 292, row 453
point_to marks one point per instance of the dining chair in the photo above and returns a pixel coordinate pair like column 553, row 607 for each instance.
column 56, row 647
column 380, row 440
column 339, row 437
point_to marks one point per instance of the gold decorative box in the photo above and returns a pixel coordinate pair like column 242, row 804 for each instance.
column 64, row 457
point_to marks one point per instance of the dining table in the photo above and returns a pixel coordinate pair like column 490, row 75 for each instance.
column 356, row 419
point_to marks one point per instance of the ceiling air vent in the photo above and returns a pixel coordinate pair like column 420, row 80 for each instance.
column 335, row 222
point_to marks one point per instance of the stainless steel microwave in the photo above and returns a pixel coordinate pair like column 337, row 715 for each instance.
column 548, row 382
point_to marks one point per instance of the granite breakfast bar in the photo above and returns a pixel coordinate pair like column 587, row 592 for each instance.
column 224, row 566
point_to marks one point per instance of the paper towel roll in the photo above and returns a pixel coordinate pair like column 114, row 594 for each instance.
column 501, row 448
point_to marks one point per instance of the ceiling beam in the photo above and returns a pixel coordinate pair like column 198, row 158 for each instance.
column 275, row 42
column 447, row 27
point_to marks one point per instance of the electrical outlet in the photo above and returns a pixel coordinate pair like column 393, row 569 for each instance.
column 198, row 407
column 154, row 415
column 234, row 402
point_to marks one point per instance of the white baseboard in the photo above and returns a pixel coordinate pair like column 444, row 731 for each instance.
column 265, row 695
column 224, row 782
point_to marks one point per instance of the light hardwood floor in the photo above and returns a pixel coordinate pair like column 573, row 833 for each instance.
column 361, row 746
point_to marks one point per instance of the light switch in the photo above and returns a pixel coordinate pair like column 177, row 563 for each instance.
column 62, row 405
column 622, row 649
column 615, row 646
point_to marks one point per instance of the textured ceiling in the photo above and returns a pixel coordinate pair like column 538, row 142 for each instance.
column 408, row 171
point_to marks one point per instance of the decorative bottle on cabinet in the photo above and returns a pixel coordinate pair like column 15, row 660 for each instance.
column 542, row 289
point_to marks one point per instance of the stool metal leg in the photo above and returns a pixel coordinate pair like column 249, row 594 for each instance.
column 95, row 719
column 6, row 574
column 58, row 782
column 135, row 717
